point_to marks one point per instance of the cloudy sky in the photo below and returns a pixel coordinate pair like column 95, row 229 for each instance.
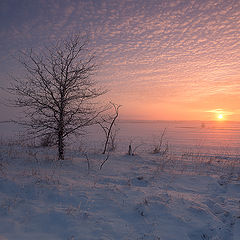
column 160, row 59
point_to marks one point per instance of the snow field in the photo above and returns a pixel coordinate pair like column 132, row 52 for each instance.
column 146, row 196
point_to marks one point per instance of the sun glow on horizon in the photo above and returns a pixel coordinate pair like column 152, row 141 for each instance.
column 220, row 116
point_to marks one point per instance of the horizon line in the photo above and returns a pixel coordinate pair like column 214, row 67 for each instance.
column 159, row 120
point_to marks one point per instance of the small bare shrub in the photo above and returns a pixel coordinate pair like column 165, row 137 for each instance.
column 132, row 150
column 162, row 145
column 2, row 164
column 48, row 141
column 9, row 204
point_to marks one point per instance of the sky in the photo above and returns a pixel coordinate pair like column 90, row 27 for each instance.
column 161, row 60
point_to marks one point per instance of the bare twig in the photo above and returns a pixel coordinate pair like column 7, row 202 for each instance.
column 104, row 161
column 107, row 126
column 88, row 162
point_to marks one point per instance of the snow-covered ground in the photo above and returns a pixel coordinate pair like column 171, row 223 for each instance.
column 175, row 196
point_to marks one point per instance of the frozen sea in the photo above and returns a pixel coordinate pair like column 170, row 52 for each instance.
column 182, row 136
column 210, row 138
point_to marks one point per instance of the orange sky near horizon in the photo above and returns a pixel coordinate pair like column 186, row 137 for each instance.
column 161, row 60
column 205, row 109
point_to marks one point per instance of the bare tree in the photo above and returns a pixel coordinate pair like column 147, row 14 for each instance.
column 107, row 124
column 57, row 93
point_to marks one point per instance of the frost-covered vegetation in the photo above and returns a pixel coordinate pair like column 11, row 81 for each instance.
column 167, row 196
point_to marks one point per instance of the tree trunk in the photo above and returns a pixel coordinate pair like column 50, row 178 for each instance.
column 61, row 138
column 60, row 146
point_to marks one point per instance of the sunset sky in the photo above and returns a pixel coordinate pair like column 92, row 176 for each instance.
column 161, row 60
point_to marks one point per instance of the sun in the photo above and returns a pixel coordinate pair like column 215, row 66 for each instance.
column 220, row 116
